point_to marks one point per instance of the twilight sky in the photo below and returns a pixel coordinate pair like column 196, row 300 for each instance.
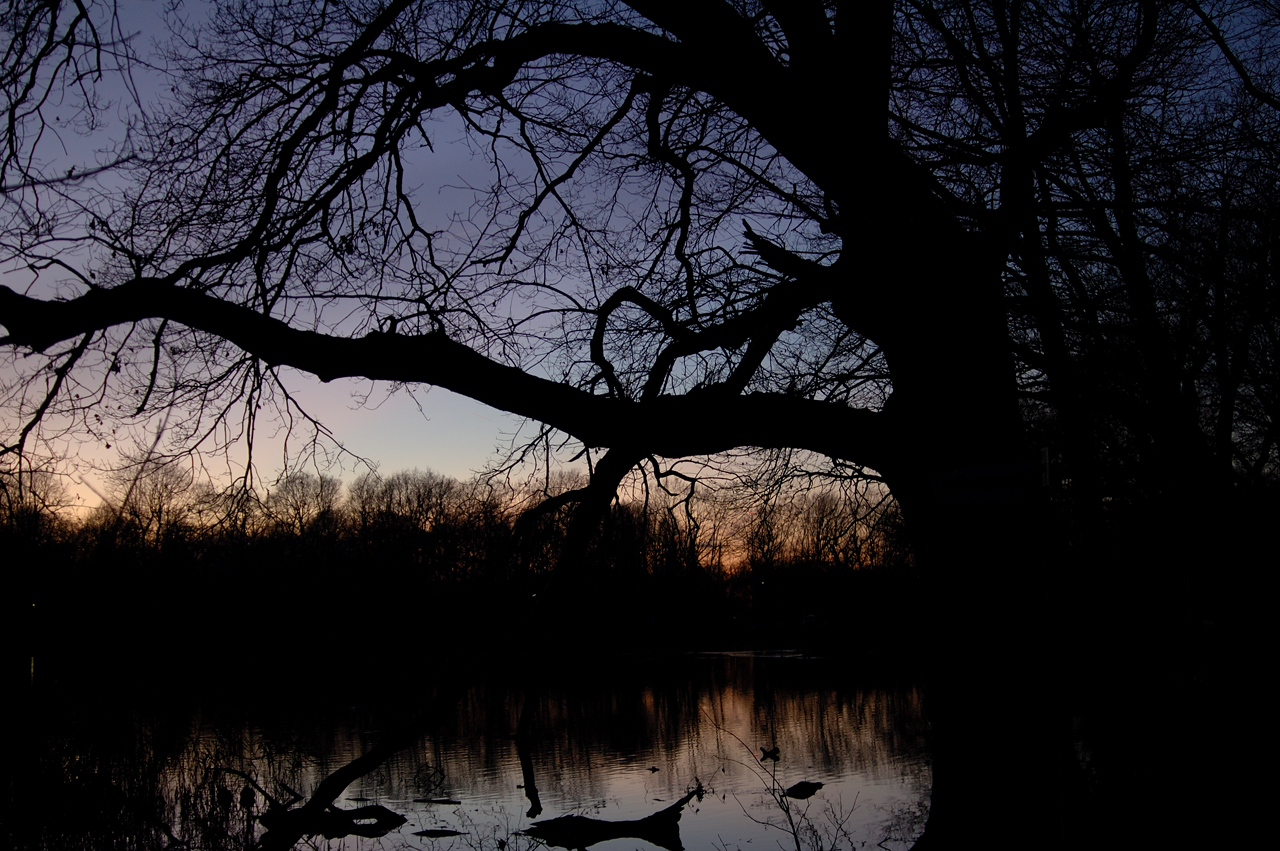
column 455, row 437
column 449, row 434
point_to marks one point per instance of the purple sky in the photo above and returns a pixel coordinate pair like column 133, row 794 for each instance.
column 456, row 436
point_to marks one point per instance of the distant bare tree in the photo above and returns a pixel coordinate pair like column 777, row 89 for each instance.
column 300, row 499
column 417, row 498
column 24, row 489
column 149, row 500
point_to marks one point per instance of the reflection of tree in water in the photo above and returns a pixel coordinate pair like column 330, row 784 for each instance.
column 72, row 795
column 655, row 712
column 120, row 781
column 173, row 773
column 96, row 777
column 904, row 823
column 835, row 727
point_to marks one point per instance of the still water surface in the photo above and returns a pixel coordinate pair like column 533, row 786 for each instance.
column 492, row 753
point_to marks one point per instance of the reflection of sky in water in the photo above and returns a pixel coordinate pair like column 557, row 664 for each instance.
column 594, row 733
column 593, row 749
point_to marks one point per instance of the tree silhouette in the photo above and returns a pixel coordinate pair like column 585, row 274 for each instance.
column 926, row 239
column 154, row 499
column 301, row 500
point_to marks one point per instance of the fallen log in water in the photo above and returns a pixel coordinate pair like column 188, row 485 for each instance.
column 320, row 816
column 579, row 832
column 331, row 822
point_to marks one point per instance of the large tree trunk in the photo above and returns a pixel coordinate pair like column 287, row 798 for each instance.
column 1001, row 732
column 1015, row 608
column 972, row 495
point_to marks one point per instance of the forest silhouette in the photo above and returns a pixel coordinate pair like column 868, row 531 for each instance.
column 701, row 573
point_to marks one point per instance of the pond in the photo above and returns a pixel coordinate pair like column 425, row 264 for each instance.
column 474, row 758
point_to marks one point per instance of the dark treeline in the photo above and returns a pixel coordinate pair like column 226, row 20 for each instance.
column 420, row 556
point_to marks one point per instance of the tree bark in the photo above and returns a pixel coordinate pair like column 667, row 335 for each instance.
column 971, row 493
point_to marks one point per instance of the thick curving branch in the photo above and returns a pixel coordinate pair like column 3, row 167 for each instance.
column 697, row 423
